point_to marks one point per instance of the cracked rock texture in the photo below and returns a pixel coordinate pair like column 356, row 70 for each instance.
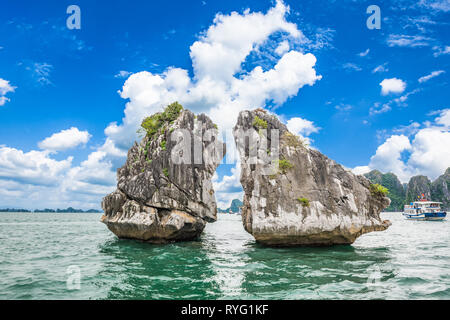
column 158, row 199
column 304, row 198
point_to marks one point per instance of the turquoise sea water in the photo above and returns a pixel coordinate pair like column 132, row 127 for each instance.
column 411, row 260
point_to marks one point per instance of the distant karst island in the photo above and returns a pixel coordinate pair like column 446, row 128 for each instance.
column 235, row 207
column 401, row 194
column 68, row 210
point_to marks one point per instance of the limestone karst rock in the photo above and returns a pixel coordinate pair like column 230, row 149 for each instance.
column 164, row 190
column 440, row 190
column 417, row 186
column 397, row 192
column 300, row 197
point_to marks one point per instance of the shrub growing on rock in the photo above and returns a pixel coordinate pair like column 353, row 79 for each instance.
column 303, row 201
column 151, row 125
column 259, row 123
column 378, row 190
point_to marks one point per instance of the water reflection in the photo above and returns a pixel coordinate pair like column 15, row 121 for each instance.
column 226, row 263
column 145, row 271
column 226, row 244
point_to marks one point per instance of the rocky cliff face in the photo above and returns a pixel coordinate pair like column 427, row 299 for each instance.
column 440, row 190
column 396, row 190
column 164, row 190
column 417, row 186
column 300, row 197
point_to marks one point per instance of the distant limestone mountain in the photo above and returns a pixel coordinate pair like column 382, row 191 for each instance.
column 417, row 186
column 438, row 190
column 13, row 210
column 396, row 189
column 236, row 204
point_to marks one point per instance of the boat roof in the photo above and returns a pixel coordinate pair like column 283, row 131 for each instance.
column 427, row 202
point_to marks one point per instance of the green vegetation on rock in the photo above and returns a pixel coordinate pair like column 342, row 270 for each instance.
column 292, row 140
column 284, row 165
column 303, row 201
column 259, row 123
column 151, row 125
column 378, row 190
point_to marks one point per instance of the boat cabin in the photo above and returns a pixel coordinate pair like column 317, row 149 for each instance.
column 423, row 206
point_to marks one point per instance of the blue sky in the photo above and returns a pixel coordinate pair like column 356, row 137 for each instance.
column 61, row 89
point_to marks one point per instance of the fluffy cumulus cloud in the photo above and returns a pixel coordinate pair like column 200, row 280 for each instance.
column 302, row 128
column 39, row 180
column 33, row 167
column 65, row 139
column 426, row 151
column 5, row 87
column 392, row 85
column 219, row 87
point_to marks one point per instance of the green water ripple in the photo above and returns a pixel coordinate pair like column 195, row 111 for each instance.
column 410, row 260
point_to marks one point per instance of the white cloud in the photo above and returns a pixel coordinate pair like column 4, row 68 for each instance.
column 388, row 156
column 364, row 53
column 301, row 126
column 401, row 101
column 96, row 170
column 224, row 46
column 444, row 118
column 379, row 108
column 431, row 152
column 361, row 169
column 282, row 48
column 122, row 74
column 42, row 71
column 438, row 51
column 34, row 180
column 427, row 151
column 380, row 68
column 65, row 139
column 33, row 167
column 430, row 76
column 396, row 40
column 343, row 107
column 351, row 66
column 5, row 87
column 438, row 5
column 392, row 85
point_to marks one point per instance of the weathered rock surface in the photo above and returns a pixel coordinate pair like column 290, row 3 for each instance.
column 440, row 190
column 309, row 199
column 397, row 192
column 161, row 197
column 417, row 186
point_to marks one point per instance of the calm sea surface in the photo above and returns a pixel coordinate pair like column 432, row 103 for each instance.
column 39, row 253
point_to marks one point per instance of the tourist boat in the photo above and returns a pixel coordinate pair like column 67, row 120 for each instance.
column 424, row 210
